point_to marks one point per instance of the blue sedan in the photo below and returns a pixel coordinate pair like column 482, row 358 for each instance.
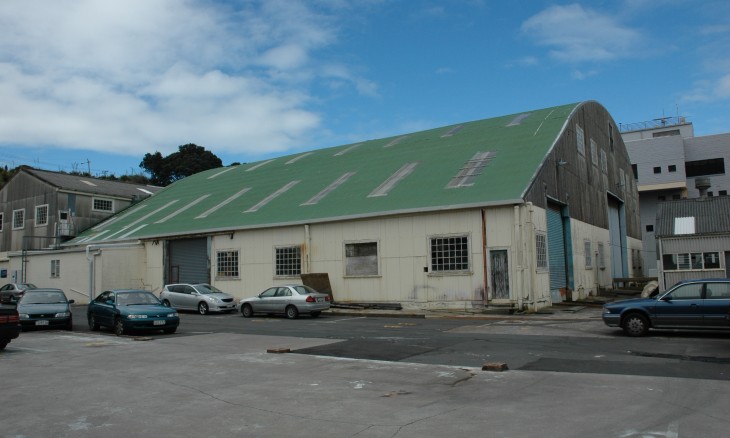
column 127, row 310
column 692, row 304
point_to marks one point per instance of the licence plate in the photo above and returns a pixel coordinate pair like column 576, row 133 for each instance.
column 320, row 299
column 158, row 322
column 41, row 322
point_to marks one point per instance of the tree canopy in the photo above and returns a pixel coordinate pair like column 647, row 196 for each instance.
column 188, row 160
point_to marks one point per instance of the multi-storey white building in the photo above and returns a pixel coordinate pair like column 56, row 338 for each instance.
column 670, row 163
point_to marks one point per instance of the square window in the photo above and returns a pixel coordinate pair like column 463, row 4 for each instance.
column 18, row 219
column 672, row 168
column 450, row 254
column 720, row 193
column 41, row 215
column 650, row 228
column 288, row 261
column 227, row 264
column 657, row 169
column 712, row 260
column 103, row 204
column 669, row 262
column 361, row 259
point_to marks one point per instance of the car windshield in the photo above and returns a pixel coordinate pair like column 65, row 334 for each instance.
column 136, row 298
column 304, row 290
column 207, row 289
column 43, row 298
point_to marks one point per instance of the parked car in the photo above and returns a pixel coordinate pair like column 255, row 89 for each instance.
column 291, row 300
column 9, row 325
column 201, row 297
column 129, row 309
column 692, row 304
column 45, row 308
column 11, row 292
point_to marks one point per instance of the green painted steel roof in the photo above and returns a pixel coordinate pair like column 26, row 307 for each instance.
column 341, row 182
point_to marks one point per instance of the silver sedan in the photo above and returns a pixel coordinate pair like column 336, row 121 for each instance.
column 291, row 300
column 201, row 297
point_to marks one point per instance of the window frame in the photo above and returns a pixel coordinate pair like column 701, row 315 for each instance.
column 541, row 252
column 588, row 253
column 231, row 269
column 2, row 219
column 39, row 208
column 346, row 266
column 691, row 261
column 94, row 207
column 580, row 140
column 287, row 261
column 458, row 271
column 15, row 225
column 56, row 268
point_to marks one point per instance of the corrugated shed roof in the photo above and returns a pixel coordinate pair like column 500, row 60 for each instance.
column 95, row 186
column 711, row 215
column 480, row 163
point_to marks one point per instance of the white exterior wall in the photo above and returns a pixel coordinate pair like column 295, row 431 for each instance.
column 588, row 279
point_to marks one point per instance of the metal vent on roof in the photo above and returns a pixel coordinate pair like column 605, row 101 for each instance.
column 394, row 179
column 472, row 169
column 259, row 165
column 684, row 225
column 395, row 141
column 297, row 158
column 180, row 210
column 452, row 131
column 344, row 151
column 327, row 190
column 272, row 196
column 518, row 119
column 224, row 203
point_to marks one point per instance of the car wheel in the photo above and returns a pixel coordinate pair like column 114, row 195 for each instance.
column 93, row 325
column 3, row 343
column 170, row 330
column 203, row 309
column 292, row 312
column 316, row 313
column 635, row 324
column 247, row 311
column 166, row 303
column 118, row 327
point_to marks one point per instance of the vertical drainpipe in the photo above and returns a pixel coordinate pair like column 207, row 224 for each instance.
column 517, row 258
column 484, row 257
column 90, row 259
column 532, row 271
column 308, row 245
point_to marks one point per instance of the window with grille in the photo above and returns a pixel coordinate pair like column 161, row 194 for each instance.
column 288, row 261
column 580, row 140
column 604, row 161
column 541, row 251
column 41, row 215
column 449, row 254
column 691, row 261
column 227, row 264
column 55, row 268
column 361, row 259
column 18, row 219
column 594, row 152
column 601, row 259
column 100, row 204
column 588, row 254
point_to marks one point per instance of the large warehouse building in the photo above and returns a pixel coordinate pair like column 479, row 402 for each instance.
column 521, row 211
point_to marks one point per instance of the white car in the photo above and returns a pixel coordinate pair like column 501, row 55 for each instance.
column 201, row 297
column 291, row 300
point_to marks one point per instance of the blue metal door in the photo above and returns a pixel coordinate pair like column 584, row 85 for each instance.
column 556, row 252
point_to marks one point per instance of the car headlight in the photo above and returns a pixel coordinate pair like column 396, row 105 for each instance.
column 172, row 315
column 137, row 316
column 24, row 316
column 62, row 315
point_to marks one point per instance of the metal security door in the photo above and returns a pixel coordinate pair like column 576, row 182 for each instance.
column 499, row 273
column 188, row 261
column 556, row 253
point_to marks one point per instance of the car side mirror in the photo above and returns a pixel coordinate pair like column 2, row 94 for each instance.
column 667, row 298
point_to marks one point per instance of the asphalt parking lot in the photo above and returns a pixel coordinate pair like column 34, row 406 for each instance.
column 80, row 384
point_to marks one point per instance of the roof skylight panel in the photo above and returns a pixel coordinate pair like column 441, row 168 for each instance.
column 472, row 169
column 222, row 172
column 182, row 209
column 344, row 151
column 398, row 176
column 299, row 157
column 518, row 119
column 395, row 141
column 329, row 189
column 152, row 213
column 224, row 203
column 272, row 196
column 263, row 163
column 451, row 132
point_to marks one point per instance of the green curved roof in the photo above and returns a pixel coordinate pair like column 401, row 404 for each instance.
column 479, row 163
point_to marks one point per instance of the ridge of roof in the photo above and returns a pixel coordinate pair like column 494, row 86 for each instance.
column 92, row 185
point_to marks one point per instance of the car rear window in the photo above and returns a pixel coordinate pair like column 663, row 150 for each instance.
column 304, row 290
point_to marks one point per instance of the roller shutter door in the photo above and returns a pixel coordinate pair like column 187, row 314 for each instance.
column 189, row 261
column 556, row 252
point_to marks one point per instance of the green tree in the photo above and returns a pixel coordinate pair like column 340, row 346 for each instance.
column 188, row 160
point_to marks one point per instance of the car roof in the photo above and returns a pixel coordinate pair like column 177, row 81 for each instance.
column 44, row 289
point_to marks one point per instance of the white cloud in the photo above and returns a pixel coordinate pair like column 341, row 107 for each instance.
column 709, row 90
column 576, row 34
column 128, row 77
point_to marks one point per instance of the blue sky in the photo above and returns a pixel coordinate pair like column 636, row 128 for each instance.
column 97, row 84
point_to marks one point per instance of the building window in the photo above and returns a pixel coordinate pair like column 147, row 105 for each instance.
column 604, row 161
column 18, row 219
column 100, row 204
column 720, row 193
column 714, row 166
column 610, row 136
column 662, row 198
column 541, row 251
column 361, row 259
column 594, row 153
column 650, row 228
column 672, row 168
column 1, row 222
column 580, row 140
column 691, row 261
column 41, row 215
column 227, row 264
column 601, row 256
column 450, row 254
column 288, row 261
column 588, row 254
column 657, row 169
column 635, row 170
column 671, row 133
column 55, row 268
column 676, row 197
